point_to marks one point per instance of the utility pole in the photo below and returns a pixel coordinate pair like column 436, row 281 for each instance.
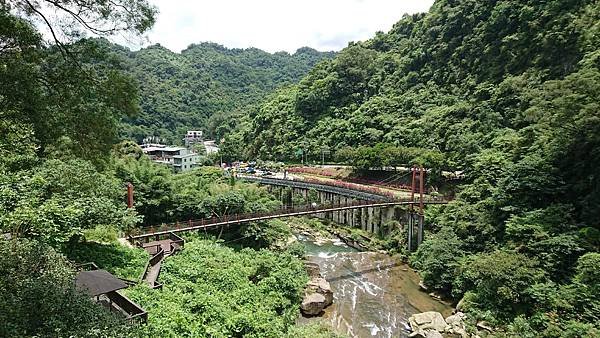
column 129, row 195
column 421, row 230
column 411, row 210
column 324, row 151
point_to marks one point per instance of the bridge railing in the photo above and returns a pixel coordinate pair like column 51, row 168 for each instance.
column 351, row 186
column 167, row 229
column 338, row 187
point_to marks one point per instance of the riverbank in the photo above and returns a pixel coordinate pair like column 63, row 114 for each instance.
column 374, row 293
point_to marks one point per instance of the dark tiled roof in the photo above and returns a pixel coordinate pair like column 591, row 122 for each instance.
column 98, row 282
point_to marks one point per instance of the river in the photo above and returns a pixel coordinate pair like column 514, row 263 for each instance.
column 374, row 293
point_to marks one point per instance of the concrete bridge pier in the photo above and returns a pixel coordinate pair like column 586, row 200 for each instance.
column 370, row 219
column 415, row 231
column 371, row 224
column 364, row 218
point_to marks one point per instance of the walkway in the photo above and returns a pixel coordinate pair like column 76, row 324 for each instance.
column 227, row 220
column 159, row 249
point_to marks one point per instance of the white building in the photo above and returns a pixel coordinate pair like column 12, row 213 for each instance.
column 193, row 137
column 211, row 147
column 179, row 158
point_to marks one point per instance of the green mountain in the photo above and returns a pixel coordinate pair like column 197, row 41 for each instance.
column 507, row 92
column 448, row 80
column 180, row 91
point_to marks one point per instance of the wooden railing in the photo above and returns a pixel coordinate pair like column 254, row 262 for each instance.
column 135, row 313
column 177, row 243
column 154, row 259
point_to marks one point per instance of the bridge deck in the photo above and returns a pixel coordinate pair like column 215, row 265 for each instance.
column 153, row 272
column 152, row 247
column 206, row 224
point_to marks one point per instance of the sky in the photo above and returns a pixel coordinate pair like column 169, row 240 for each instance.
column 275, row 25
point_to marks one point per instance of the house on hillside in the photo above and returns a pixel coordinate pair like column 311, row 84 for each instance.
column 180, row 159
column 211, row 147
column 192, row 137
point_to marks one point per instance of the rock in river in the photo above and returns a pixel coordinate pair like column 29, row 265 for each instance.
column 317, row 294
column 313, row 304
column 321, row 286
column 430, row 320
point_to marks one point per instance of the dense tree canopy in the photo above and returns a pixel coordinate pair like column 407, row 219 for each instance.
column 206, row 86
column 230, row 294
column 38, row 297
column 68, row 92
column 505, row 92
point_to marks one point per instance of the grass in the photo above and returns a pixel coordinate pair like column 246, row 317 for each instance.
column 116, row 258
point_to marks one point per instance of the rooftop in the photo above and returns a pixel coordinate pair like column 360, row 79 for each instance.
column 165, row 149
column 98, row 282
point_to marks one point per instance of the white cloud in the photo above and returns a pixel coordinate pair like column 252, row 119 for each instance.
column 275, row 25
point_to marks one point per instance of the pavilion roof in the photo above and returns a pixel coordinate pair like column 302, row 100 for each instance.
column 98, row 282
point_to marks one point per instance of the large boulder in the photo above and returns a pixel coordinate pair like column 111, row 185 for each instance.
column 317, row 296
column 321, row 286
column 456, row 325
column 433, row 334
column 313, row 304
column 317, row 293
column 456, row 318
column 426, row 334
column 426, row 321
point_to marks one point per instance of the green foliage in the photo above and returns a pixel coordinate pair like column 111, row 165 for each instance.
column 501, row 280
column 71, row 89
column 588, row 271
column 102, row 234
column 59, row 200
column 267, row 234
column 113, row 257
column 161, row 196
column 205, row 86
column 438, row 258
column 312, row 330
column 506, row 93
column 211, row 290
column 38, row 296
column 383, row 155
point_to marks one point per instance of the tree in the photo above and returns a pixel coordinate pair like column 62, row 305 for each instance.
column 500, row 280
column 38, row 296
column 58, row 200
column 70, row 89
column 438, row 258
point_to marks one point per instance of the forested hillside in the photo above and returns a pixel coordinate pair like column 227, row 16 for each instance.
column 205, row 85
column 505, row 91
column 63, row 178
column 451, row 79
